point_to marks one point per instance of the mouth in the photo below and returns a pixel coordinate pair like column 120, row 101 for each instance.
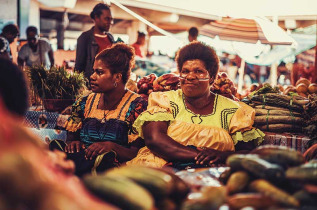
column 189, row 84
column 93, row 85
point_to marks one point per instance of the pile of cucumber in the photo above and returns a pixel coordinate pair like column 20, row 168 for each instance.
column 271, row 177
column 139, row 188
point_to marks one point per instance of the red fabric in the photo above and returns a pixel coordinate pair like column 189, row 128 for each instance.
column 137, row 49
column 103, row 42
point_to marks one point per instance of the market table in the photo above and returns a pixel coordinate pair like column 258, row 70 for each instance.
column 47, row 125
column 50, row 125
column 295, row 141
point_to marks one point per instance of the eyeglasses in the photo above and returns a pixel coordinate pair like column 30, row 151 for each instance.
column 200, row 75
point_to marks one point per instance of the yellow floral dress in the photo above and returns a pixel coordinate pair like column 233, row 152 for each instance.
column 229, row 123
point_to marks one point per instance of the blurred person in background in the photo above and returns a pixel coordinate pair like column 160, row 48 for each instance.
column 37, row 51
column 93, row 41
column 193, row 34
column 31, row 176
column 139, row 43
column 303, row 69
column 9, row 33
column 14, row 97
column 13, row 88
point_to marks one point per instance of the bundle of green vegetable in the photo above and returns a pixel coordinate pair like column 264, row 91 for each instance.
column 276, row 112
column 56, row 83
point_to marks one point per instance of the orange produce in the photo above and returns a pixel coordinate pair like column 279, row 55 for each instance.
column 253, row 87
column 301, row 88
column 290, row 88
column 312, row 88
column 303, row 81
column 303, row 95
column 280, row 87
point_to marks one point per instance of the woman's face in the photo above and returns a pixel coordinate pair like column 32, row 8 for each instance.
column 101, row 80
column 195, row 79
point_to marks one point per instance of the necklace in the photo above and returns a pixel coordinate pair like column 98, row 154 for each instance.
column 110, row 109
column 104, row 116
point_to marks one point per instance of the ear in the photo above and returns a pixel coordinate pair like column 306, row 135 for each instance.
column 211, row 80
column 118, row 77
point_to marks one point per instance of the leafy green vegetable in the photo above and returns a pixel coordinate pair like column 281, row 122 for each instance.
column 56, row 83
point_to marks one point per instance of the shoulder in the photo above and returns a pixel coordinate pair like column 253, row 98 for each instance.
column 84, row 99
column 224, row 101
column 86, row 34
column 24, row 49
column 44, row 40
column 111, row 38
column 3, row 44
column 175, row 95
column 139, row 101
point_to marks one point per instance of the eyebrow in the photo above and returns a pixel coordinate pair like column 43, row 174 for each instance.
column 197, row 68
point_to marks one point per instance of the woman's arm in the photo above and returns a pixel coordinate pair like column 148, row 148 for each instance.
column 123, row 153
column 157, row 140
column 73, row 142
column 210, row 156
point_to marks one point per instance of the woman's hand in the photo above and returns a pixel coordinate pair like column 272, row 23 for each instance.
column 98, row 148
column 74, row 146
column 207, row 156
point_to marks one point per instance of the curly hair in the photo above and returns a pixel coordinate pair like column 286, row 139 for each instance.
column 10, row 29
column 97, row 10
column 198, row 50
column 119, row 59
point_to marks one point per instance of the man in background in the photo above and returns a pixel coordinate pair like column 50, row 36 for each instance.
column 140, row 42
column 37, row 51
column 9, row 33
column 91, row 42
column 192, row 34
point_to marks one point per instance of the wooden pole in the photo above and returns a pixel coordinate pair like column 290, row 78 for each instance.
column 241, row 76
column 273, row 74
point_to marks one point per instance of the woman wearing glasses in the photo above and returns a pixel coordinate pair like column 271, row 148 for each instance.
column 101, row 123
column 193, row 126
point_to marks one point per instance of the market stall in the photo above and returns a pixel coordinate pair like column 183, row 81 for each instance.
column 282, row 123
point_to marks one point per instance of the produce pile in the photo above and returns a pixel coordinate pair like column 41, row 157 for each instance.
column 303, row 87
column 166, row 82
column 311, row 117
column 276, row 112
column 145, row 85
column 224, row 86
column 136, row 187
column 152, row 83
column 270, row 177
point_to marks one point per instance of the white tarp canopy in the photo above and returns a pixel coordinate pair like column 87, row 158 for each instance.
column 241, row 8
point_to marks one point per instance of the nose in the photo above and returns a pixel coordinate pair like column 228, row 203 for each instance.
column 191, row 76
column 92, row 77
